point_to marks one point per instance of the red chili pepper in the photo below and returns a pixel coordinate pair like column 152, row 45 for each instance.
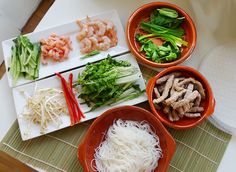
column 70, row 89
column 79, row 114
column 77, row 105
column 70, row 97
column 68, row 102
column 73, row 106
column 72, row 111
column 71, row 80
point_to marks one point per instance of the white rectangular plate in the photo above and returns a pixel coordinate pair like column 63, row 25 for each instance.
column 29, row 130
column 70, row 29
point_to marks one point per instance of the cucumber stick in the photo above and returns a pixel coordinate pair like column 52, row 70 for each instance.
column 25, row 59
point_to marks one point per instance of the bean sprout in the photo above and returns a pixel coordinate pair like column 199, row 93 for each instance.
column 45, row 106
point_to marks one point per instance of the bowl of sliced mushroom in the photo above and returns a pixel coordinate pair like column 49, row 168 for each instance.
column 180, row 97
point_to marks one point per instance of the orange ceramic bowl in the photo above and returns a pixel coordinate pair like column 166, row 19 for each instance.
column 184, row 123
column 143, row 13
column 95, row 135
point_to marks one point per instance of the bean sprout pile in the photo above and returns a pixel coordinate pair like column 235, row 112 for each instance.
column 45, row 106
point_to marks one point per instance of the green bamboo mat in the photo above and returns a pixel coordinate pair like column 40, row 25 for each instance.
column 198, row 150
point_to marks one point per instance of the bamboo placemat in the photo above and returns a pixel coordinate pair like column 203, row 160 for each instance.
column 198, row 150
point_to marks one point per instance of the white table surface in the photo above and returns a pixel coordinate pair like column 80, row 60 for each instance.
column 63, row 11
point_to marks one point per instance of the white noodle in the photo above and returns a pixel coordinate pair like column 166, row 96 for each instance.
column 128, row 146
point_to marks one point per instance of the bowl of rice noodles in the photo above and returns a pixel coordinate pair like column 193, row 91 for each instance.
column 126, row 138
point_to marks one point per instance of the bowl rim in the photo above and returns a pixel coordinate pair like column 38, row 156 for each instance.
column 149, row 62
column 208, row 112
column 170, row 142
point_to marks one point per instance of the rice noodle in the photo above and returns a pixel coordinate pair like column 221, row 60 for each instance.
column 128, row 146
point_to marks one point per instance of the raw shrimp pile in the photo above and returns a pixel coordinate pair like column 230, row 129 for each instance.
column 55, row 47
column 97, row 35
column 129, row 146
column 179, row 96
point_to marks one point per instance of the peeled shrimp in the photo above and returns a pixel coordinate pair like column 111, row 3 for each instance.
column 96, row 35
column 88, row 19
column 94, row 41
column 99, row 27
column 104, row 44
column 85, row 45
column 55, row 47
column 108, row 24
column 113, row 36
column 83, row 30
column 100, row 43
column 90, row 31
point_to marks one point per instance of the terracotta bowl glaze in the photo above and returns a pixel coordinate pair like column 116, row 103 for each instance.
column 143, row 13
column 96, row 132
column 184, row 123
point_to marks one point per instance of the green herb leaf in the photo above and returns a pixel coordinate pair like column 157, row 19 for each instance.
column 108, row 82
column 168, row 12
column 92, row 53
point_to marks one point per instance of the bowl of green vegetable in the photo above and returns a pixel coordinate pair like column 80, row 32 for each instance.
column 161, row 34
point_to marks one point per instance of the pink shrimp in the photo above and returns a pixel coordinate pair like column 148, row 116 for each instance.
column 90, row 31
column 55, row 47
column 83, row 30
column 94, row 41
column 104, row 43
column 96, row 34
column 113, row 36
column 85, row 46
column 99, row 27
column 88, row 19
column 109, row 24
